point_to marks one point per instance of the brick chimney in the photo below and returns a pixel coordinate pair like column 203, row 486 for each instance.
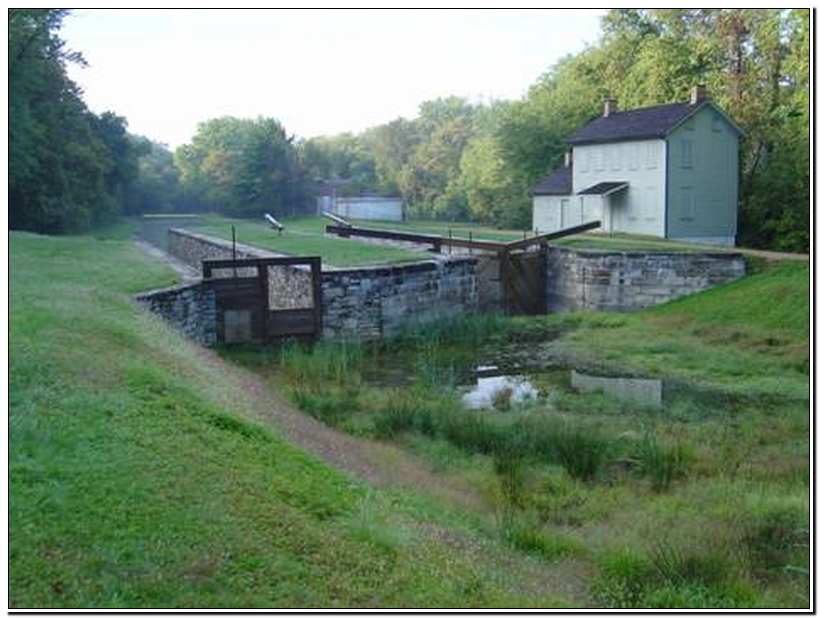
column 698, row 94
column 567, row 158
column 609, row 106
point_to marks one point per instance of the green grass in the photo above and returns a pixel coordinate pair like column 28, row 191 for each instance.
column 703, row 503
column 137, row 479
column 629, row 242
column 305, row 236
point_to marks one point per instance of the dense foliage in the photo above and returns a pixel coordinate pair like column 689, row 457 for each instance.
column 242, row 168
column 68, row 168
column 457, row 160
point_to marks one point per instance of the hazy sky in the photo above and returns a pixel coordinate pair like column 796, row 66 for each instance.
column 318, row 72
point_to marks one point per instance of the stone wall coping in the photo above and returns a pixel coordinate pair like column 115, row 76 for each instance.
column 394, row 269
column 648, row 253
column 226, row 243
column 370, row 269
column 147, row 295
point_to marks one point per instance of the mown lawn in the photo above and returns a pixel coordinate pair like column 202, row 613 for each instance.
column 131, row 485
column 305, row 236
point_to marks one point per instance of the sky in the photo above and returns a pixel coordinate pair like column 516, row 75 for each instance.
column 319, row 72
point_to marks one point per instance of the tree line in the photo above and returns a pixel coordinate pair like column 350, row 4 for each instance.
column 458, row 159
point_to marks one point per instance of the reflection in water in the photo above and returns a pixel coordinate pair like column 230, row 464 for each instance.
column 496, row 376
column 639, row 390
column 491, row 388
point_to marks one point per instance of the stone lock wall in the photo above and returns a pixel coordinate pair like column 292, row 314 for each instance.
column 289, row 287
column 189, row 308
column 357, row 303
column 374, row 302
column 627, row 280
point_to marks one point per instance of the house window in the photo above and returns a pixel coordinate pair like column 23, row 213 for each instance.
column 687, row 156
column 686, row 204
column 616, row 155
column 635, row 206
column 650, row 204
column 633, row 156
column 599, row 163
column 652, row 154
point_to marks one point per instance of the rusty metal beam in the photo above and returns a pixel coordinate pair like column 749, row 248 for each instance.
column 545, row 238
column 431, row 239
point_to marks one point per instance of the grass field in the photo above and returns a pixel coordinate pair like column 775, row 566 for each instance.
column 702, row 504
column 305, row 236
column 134, row 484
column 138, row 479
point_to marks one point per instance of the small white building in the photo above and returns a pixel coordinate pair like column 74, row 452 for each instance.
column 373, row 207
column 670, row 171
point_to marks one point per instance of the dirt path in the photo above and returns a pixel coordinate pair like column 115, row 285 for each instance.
column 377, row 463
column 387, row 466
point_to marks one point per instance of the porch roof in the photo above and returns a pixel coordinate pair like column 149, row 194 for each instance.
column 605, row 188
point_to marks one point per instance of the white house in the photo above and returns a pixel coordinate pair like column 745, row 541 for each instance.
column 670, row 171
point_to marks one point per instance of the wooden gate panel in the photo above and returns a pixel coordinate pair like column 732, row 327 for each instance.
column 243, row 303
column 524, row 285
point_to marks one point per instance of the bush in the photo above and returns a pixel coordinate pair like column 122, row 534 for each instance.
column 509, row 468
column 660, row 464
column 330, row 407
column 624, row 579
column 670, row 577
column 414, row 409
column 775, row 535
column 548, row 547
column 675, row 567
column 581, row 451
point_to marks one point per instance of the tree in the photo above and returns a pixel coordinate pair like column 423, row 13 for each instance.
column 242, row 167
column 68, row 169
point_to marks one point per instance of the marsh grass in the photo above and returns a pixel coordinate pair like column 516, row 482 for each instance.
column 660, row 464
column 523, row 532
column 671, row 577
column 733, row 424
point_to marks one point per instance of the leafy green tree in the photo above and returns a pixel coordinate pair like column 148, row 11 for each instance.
column 242, row 167
column 156, row 187
column 68, row 168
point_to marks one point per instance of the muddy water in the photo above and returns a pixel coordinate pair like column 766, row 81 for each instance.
column 497, row 376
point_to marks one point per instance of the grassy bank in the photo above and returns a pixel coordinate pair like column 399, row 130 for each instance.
column 703, row 503
column 137, row 480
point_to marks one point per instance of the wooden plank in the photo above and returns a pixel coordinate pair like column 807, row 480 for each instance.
column 260, row 262
column 315, row 272
column 281, row 323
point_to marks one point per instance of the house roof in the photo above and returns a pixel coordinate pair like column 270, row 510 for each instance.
column 640, row 123
column 559, row 182
column 604, row 188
